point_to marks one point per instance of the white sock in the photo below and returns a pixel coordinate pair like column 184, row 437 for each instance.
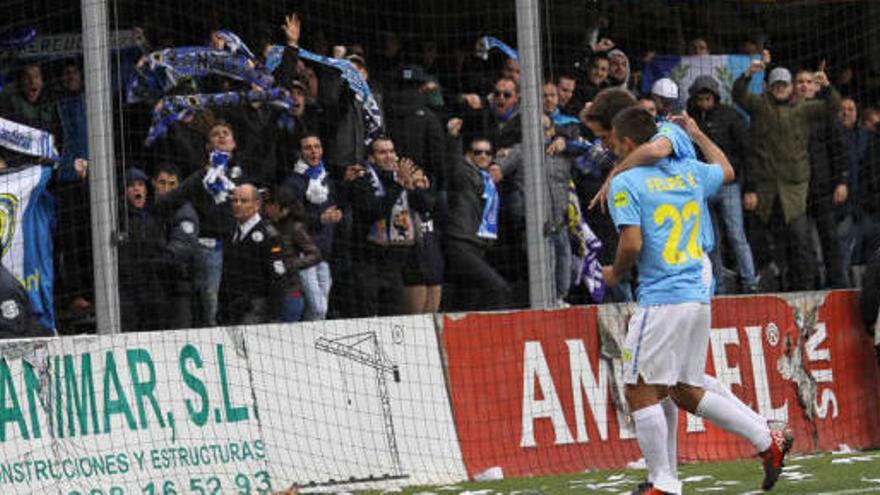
column 670, row 411
column 717, row 409
column 652, row 435
column 711, row 384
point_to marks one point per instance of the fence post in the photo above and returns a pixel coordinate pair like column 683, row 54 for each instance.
column 528, row 31
column 102, row 172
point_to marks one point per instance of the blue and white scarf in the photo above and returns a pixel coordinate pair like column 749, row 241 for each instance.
column 400, row 227
column 215, row 182
column 178, row 107
column 317, row 192
column 486, row 43
column 489, row 221
column 235, row 44
column 27, row 140
column 375, row 181
column 166, row 68
column 357, row 84
column 586, row 248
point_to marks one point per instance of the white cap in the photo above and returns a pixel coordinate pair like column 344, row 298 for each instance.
column 665, row 88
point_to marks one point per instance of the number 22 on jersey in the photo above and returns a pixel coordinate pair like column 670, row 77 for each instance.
column 669, row 213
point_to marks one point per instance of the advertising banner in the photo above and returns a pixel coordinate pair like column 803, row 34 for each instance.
column 540, row 392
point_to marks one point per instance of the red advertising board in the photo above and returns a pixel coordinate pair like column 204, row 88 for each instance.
column 531, row 394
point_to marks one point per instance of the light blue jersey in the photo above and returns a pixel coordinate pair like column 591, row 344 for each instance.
column 667, row 201
column 683, row 147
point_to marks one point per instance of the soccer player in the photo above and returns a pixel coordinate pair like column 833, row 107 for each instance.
column 657, row 210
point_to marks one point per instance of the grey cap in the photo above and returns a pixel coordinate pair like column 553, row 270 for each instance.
column 779, row 75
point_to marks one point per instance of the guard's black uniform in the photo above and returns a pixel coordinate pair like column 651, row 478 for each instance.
column 17, row 320
column 182, row 231
column 255, row 277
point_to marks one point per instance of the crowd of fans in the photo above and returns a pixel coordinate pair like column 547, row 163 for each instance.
column 430, row 214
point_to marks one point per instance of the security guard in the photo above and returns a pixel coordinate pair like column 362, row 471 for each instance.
column 17, row 320
column 255, row 277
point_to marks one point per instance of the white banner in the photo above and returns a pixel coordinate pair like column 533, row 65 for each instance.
column 217, row 411
column 129, row 414
column 355, row 400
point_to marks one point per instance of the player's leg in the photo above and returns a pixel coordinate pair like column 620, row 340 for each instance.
column 651, row 433
column 647, row 375
column 711, row 384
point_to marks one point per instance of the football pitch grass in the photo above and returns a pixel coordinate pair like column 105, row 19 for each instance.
column 818, row 474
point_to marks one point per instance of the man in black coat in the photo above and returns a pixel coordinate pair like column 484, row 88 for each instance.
column 255, row 277
column 416, row 131
column 141, row 259
column 829, row 182
column 467, row 235
column 181, row 229
column 726, row 128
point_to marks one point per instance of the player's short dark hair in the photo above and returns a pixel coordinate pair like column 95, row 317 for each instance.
column 608, row 103
column 634, row 123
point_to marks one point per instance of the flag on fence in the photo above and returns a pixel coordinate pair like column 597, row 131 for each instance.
column 27, row 213
column 684, row 69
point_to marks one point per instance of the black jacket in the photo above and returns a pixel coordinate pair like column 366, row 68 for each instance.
column 726, row 128
column 465, row 204
column 416, row 131
column 143, row 264
column 829, row 161
column 182, row 249
column 257, row 136
column 343, row 129
column 485, row 123
column 253, row 270
column 368, row 208
column 215, row 220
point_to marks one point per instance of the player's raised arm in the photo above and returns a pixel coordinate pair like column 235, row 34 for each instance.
column 711, row 151
column 646, row 154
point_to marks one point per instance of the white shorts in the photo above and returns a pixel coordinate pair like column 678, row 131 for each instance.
column 667, row 344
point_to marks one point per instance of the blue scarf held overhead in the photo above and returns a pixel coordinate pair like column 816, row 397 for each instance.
column 165, row 69
column 235, row 44
column 175, row 108
column 357, row 84
column 488, row 42
column 489, row 222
